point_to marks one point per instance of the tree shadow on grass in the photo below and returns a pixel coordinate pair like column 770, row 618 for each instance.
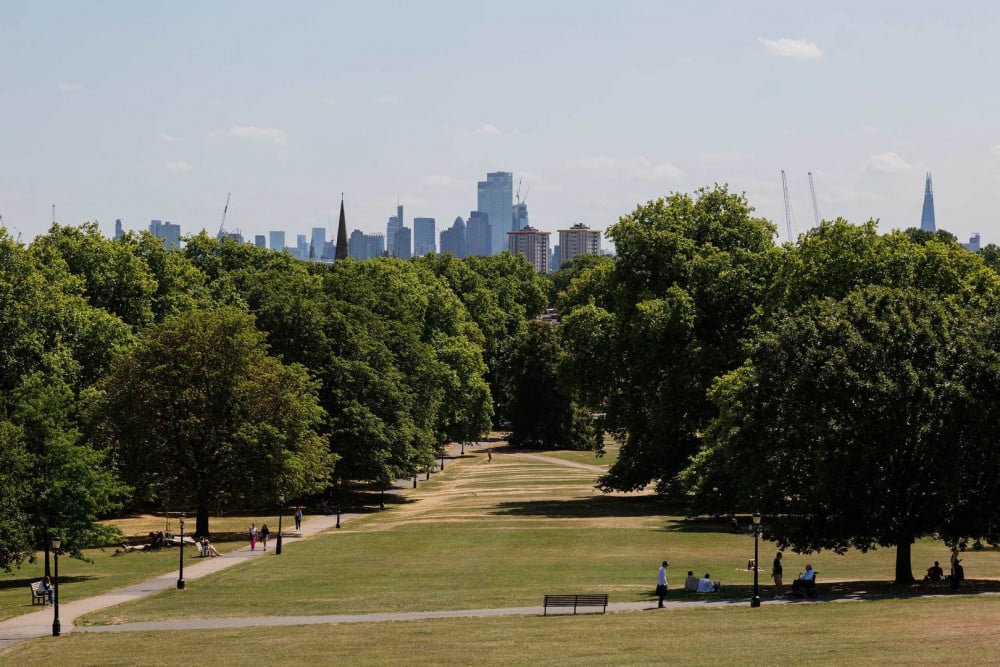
column 839, row 590
column 27, row 581
column 584, row 508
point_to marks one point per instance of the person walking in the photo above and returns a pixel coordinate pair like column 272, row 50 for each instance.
column 253, row 536
column 661, row 583
column 264, row 534
column 298, row 519
column 957, row 571
column 776, row 571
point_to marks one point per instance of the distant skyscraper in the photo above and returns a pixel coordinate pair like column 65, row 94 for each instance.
column 356, row 244
column 478, row 235
column 317, row 243
column 578, row 240
column 260, row 241
column 167, row 231
column 520, row 216
column 404, row 245
column 927, row 216
column 374, row 246
column 974, row 243
column 118, row 229
column 393, row 226
column 302, row 245
column 453, row 239
column 533, row 244
column 554, row 258
column 277, row 240
column 423, row 236
column 495, row 198
column 342, row 251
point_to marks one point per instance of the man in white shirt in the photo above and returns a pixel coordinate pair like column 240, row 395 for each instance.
column 661, row 583
column 705, row 584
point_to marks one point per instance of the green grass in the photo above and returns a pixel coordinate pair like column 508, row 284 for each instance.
column 949, row 630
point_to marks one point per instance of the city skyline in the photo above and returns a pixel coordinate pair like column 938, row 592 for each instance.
column 135, row 112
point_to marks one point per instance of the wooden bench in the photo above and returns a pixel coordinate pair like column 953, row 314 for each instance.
column 38, row 597
column 583, row 600
column 805, row 588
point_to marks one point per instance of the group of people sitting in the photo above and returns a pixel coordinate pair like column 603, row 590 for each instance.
column 703, row 585
column 156, row 541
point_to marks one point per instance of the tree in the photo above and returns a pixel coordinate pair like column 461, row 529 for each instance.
column 859, row 422
column 197, row 409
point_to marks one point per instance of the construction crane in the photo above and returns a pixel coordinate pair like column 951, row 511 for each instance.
column 222, row 225
column 517, row 196
column 788, row 205
column 812, row 190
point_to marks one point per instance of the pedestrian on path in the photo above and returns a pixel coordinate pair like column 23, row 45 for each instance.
column 264, row 534
column 661, row 583
column 253, row 536
column 489, row 456
column 779, row 589
column 298, row 519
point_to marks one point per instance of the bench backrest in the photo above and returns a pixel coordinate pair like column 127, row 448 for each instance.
column 571, row 600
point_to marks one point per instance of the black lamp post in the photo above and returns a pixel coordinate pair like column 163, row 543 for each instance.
column 56, row 627
column 180, row 576
column 463, row 448
column 755, row 600
column 338, row 515
column 281, row 511
column 442, row 459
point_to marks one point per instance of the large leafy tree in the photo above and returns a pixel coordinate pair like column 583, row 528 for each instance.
column 860, row 422
column 197, row 409
column 670, row 315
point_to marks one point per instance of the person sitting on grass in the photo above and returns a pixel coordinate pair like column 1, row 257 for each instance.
column 934, row 573
column 805, row 579
column 207, row 549
column 691, row 583
column 705, row 584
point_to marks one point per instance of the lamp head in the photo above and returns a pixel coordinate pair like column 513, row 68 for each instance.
column 56, row 542
column 756, row 518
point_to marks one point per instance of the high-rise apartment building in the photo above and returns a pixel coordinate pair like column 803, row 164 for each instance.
column 578, row 240
column 533, row 244
column 927, row 222
column 423, row 236
column 277, row 241
column 478, row 235
column 495, row 198
column 168, row 232
column 453, row 239
column 394, row 225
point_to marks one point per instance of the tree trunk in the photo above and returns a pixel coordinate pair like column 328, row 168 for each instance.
column 201, row 520
column 904, row 570
column 48, row 570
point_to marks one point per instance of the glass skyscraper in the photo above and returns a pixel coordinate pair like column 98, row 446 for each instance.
column 927, row 216
column 423, row 236
column 496, row 200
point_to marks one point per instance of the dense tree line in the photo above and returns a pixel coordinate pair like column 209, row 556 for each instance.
column 134, row 377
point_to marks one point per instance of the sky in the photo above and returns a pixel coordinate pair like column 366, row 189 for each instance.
column 143, row 111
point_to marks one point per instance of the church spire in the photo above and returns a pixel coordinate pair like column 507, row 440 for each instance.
column 343, row 251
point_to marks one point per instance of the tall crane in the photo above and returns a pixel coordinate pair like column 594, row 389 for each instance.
column 222, row 225
column 812, row 190
column 788, row 205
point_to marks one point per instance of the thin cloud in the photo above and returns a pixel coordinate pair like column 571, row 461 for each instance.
column 636, row 167
column 330, row 101
column 272, row 134
column 793, row 49
column 888, row 163
column 178, row 166
column 441, row 181
column 69, row 87
column 170, row 139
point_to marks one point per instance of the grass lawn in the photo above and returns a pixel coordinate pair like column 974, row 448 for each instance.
column 108, row 570
column 587, row 457
column 503, row 534
column 933, row 631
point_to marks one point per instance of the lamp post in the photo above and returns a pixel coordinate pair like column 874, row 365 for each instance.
column 56, row 627
column 180, row 576
column 442, row 459
column 281, row 511
column 755, row 600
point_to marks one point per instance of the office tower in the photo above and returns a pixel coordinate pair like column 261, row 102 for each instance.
column 423, row 236
column 394, row 225
column 927, row 216
column 520, row 216
column 974, row 243
column 478, row 235
column 533, row 244
column 403, row 248
column 167, row 231
column 329, row 250
column 554, row 264
column 317, row 243
column 260, row 241
column 302, row 244
column 578, row 240
column 495, row 198
column 374, row 246
column 118, row 229
column 453, row 239
column 277, row 240
column 342, row 252
column 356, row 244
column 231, row 236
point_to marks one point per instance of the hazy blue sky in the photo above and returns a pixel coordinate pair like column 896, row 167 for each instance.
column 140, row 110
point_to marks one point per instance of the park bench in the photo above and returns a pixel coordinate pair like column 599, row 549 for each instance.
column 38, row 597
column 574, row 601
column 805, row 588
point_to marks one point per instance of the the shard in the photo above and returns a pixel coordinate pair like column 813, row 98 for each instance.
column 342, row 245
column 927, row 216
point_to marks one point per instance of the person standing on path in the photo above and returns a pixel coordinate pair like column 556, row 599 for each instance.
column 298, row 519
column 661, row 583
column 253, row 536
column 779, row 589
column 265, row 532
